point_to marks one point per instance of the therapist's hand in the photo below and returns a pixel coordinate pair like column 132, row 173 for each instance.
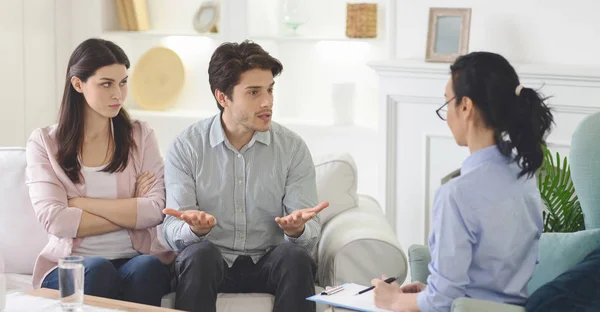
column 385, row 295
column 413, row 288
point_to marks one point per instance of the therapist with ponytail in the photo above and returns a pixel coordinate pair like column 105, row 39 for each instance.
column 486, row 223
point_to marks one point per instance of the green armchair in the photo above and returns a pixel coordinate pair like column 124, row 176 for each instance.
column 558, row 251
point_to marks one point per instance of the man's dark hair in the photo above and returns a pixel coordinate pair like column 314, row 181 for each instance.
column 230, row 60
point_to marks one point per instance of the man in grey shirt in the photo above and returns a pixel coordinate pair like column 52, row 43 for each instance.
column 241, row 193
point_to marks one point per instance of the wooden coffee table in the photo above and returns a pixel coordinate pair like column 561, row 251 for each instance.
column 100, row 302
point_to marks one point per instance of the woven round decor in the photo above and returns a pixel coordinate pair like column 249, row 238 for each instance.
column 157, row 79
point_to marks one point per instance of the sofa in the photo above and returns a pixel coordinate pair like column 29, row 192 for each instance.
column 356, row 243
column 562, row 256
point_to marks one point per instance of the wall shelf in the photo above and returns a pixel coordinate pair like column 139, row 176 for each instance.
column 194, row 114
column 170, row 113
column 159, row 33
column 311, row 39
column 216, row 36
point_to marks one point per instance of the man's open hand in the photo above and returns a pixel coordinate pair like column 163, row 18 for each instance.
column 293, row 224
column 199, row 221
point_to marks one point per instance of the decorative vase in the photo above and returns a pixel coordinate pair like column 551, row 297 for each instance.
column 294, row 14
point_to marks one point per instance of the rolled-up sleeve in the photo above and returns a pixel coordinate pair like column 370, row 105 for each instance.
column 150, row 206
column 48, row 195
column 181, row 194
column 300, row 193
column 451, row 254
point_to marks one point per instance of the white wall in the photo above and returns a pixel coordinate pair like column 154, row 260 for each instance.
column 31, row 37
column 12, row 106
column 524, row 31
column 311, row 67
column 37, row 37
column 303, row 93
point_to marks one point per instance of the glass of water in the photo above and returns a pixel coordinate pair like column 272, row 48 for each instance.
column 70, row 282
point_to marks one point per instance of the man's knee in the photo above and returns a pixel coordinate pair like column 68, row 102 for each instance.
column 295, row 256
column 203, row 256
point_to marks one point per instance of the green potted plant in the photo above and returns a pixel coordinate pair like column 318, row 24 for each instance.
column 563, row 210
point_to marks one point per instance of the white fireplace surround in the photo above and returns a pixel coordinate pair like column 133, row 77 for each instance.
column 417, row 148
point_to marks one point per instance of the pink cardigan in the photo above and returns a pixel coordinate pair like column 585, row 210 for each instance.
column 50, row 189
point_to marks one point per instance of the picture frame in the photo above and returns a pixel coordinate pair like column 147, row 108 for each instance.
column 207, row 17
column 448, row 34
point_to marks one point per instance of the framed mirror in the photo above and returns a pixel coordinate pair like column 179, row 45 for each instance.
column 207, row 17
column 448, row 34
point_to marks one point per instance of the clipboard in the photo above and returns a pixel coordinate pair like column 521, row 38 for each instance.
column 345, row 296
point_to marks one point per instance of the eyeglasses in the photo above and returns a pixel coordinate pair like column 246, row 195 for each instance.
column 442, row 112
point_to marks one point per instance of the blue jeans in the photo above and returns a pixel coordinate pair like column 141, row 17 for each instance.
column 141, row 279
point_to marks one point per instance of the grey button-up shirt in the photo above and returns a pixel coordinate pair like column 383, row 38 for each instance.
column 272, row 176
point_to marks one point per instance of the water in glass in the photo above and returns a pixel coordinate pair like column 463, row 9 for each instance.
column 70, row 280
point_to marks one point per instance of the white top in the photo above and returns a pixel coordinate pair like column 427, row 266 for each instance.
column 115, row 245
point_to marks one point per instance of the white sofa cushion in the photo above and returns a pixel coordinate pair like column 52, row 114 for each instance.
column 22, row 236
column 19, row 282
column 336, row 182
column 240, row 302
column 232, row 302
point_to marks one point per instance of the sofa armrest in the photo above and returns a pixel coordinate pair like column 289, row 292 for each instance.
column 419, row 258
column 358, row 245
column 476, row 305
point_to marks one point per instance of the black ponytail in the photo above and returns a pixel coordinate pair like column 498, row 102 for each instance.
column 529, row 132
column 518, row 115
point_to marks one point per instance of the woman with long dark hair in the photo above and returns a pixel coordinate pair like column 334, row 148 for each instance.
column 486, row 223
column 96, row 183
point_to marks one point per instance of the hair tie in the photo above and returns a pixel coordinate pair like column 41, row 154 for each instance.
column 518, row 89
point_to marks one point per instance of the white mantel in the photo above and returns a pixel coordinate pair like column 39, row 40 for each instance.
column 417, row 149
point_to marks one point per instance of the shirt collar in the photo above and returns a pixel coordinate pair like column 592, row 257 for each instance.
column 217, row 134
column 488, row 154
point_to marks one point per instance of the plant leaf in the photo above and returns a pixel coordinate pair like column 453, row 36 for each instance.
column 563, row 210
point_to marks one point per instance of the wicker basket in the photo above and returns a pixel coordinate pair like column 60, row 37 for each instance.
column 361, row 20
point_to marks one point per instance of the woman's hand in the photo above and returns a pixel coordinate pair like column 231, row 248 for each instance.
column 385, row 295
column 413, row 288
column 144, row 183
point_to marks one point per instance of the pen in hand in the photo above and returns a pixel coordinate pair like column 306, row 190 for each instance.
column 389, row 280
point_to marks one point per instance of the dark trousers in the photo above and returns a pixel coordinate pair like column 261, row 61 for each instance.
column 141, row 279
column 287, row 271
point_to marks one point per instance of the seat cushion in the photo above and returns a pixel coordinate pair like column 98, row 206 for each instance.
column 17, row 218
column 232, row 302
column 475, row 305
column 239, row 302
column 336, row 183
column 244, row 302
column 577, row 289
column 19, row 282
column 559, row 252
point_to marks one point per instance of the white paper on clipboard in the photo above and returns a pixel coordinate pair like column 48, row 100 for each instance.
column 348, row 299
